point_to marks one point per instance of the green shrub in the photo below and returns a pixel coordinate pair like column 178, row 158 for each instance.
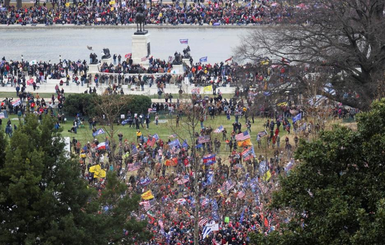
column 85, row 104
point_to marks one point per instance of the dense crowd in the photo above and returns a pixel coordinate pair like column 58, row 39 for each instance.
column 123, row 13
column 235, row 175
column 232, row 190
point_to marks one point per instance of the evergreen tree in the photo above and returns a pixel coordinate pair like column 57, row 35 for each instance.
column 336, row 195
column 43, row 199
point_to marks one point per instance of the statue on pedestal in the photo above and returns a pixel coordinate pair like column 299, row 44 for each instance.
column 93, row 59
column 186, row 53
column 106, row 54
column 140, row 20
column 177, row 59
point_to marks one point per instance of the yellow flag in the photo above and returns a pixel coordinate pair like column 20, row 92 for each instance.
column 147, row 195
column 98, row 171
column 282, row 104
column 246, row 142
column 67, row 4
column 112, row 2
column 208, row 89
column 267, row 176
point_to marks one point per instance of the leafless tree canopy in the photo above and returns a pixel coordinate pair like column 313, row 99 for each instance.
column 346, row 36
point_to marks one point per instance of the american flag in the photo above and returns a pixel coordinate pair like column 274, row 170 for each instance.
column 242, row 136
column 227, row 185
column 203, row 221
column 241, row 194
column 181, row 201
column 133, row 166
column 146, row 205
column 143, row 59
column 205, row 201
column 218, row 130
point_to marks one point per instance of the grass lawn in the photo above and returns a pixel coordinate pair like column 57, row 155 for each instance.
column 168, row 127
column 4, row 95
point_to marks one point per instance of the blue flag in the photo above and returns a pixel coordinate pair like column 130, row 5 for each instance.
column 185, row 145
column 174, row 143
column 298, row 117
column 98, row 132
column 242, row 216
column 203, row 59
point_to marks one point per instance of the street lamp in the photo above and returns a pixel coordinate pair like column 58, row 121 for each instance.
column 59, row 58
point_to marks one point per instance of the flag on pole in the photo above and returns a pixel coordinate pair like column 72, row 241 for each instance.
column 98, row 171
column 202, row 221
column 204, row 139
column 102, row 146
column 242, row 136
column 210, row 227
column 183, row 41
column 98, row 132
column 242, row 216
column 209, row 159
column 185, row 145
column 218, row 130
column 208, row 89
column 16, row 102
column 127, row 56
column 174, row 143
column 262, row 133
column 229, row 59
column 147, row 195
column 297, row 117
column 203, row 59
column 248, row 153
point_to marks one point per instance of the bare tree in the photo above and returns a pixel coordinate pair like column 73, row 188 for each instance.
column 110, row 107
column 190, row 124
column 347, row 38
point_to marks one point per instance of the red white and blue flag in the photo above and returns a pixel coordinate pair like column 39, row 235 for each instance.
column 209, row 159
column 218, row 130
column 242, row 136
column 204, row 139
column 102, row 146
column 98, row 132
column 248, row 153
column 229, row 59
column 183, row 41
column 16, row 102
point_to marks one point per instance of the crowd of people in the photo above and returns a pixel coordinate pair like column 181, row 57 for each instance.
column 123, row 13
column 235, row 178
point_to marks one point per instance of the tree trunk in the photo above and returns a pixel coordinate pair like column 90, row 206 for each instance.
column 18, row 4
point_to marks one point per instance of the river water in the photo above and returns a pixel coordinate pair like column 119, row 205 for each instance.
column 71, row 43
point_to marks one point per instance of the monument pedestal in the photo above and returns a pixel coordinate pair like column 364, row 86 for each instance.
column 141, row 48
column 93, row 68
column 177, row 69
column 108, row 61
column 187, row 61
